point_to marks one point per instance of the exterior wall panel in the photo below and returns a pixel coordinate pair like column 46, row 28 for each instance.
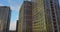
column 5, row 14
column 25, row 19
column 43, row 19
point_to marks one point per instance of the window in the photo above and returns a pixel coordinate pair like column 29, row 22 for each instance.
column 53, row 13
column 35, row 22
column 53, row 16
column 52, row 8
column 56, row 30
column 54, row 19
column 51, row 1
column 51, row 5
column 27, row 12
column 54, row 23
column 55, row 27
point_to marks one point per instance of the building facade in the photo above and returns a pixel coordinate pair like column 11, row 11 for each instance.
column 25, row 17
column 12, row 31
column 39, row 16
column 45, row 16
column 17, row 25
column 5, row 14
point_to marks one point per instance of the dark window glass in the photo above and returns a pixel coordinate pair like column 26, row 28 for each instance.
column 51, row 1
column 51, row 5
column 53, row 16
column 54, row 23
column 54, row 19
column 53, row 13
column 56, row 30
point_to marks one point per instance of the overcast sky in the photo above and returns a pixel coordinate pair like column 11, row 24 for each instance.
column 15, row 6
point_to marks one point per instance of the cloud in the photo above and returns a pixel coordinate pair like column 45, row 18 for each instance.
column 1, row 4
column 59, row 2
column 15, row 8
column 13, row 22
column 27, row 0
column 13, row 25
column 15, row 5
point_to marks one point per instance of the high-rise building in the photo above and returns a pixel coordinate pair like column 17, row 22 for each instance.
column 5, row 14
column 17, row 25
column 46, row 16
column 25, row 17
column 12, row 31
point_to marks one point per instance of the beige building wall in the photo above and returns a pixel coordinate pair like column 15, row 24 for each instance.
column 5, row 14
column 39, row 24
column 21, row 19
column 45, row 15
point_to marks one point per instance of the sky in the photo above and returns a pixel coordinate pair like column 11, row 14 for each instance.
column 15, row 7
